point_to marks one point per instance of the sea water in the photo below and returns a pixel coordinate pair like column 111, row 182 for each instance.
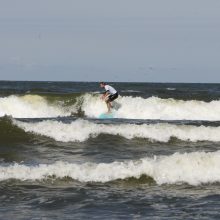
column 158, row 158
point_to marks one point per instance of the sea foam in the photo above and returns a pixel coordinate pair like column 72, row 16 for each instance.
column 30, row 106
column 192, row 168
column 128, row 107
column 80, row 130
column 154, row 108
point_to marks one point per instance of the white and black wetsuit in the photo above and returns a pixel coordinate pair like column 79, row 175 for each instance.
column 113, row 93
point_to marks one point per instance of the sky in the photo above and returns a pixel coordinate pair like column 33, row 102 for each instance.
column 114, row 40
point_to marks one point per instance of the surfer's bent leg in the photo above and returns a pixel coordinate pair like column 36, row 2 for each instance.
column 108, row 102
column 110, row 99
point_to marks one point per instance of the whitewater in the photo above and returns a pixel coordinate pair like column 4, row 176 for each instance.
column 81, row 130
column 30, row 106
column 128, row 107
column 158, row 156
column 173, row 169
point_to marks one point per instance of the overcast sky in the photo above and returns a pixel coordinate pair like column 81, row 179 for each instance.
column 114, row 40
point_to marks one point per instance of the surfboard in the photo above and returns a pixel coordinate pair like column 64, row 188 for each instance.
column 106, row 115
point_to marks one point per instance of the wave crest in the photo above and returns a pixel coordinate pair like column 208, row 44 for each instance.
column 31, row 106
column 192, row 168
column 80, row 130
column 154, row 108
column 90, row 105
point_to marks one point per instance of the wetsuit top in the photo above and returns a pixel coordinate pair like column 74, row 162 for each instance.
column 110, row 89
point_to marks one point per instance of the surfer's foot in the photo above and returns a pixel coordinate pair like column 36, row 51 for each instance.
column 109, row 110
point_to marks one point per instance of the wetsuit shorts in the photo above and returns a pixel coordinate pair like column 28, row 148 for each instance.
column 113, row 97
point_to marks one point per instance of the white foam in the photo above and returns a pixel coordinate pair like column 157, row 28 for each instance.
column 130, row 90
column 154, row 108
column 30, row 106
column 35, row 106
column 192, row 168
column 171, row 89
column 81, row 130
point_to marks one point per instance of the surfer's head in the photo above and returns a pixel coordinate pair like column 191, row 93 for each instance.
column 102, row 84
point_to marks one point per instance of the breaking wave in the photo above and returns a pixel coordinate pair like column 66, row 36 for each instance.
column 154, row 108
column 81, row 130
column 31, row 106
column 192, row 168
column 128, row 107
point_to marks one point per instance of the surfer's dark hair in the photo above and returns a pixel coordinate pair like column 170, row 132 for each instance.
column 103, row 83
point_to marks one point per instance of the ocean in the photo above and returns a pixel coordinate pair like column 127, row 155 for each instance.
column 158, row 158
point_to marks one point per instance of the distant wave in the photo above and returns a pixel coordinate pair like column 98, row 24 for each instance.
column 130, row 91
column 36, row 106
column 81, row 130
column 192, row 168
column 171, row 89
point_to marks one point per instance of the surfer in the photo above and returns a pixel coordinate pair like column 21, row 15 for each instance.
column 109, row 95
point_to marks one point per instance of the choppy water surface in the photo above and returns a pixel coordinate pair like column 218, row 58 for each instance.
column 158, row 158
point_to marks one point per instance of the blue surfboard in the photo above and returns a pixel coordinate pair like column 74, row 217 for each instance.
column 106, row 115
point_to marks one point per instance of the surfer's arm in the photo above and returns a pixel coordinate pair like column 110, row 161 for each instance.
column 105, row 94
